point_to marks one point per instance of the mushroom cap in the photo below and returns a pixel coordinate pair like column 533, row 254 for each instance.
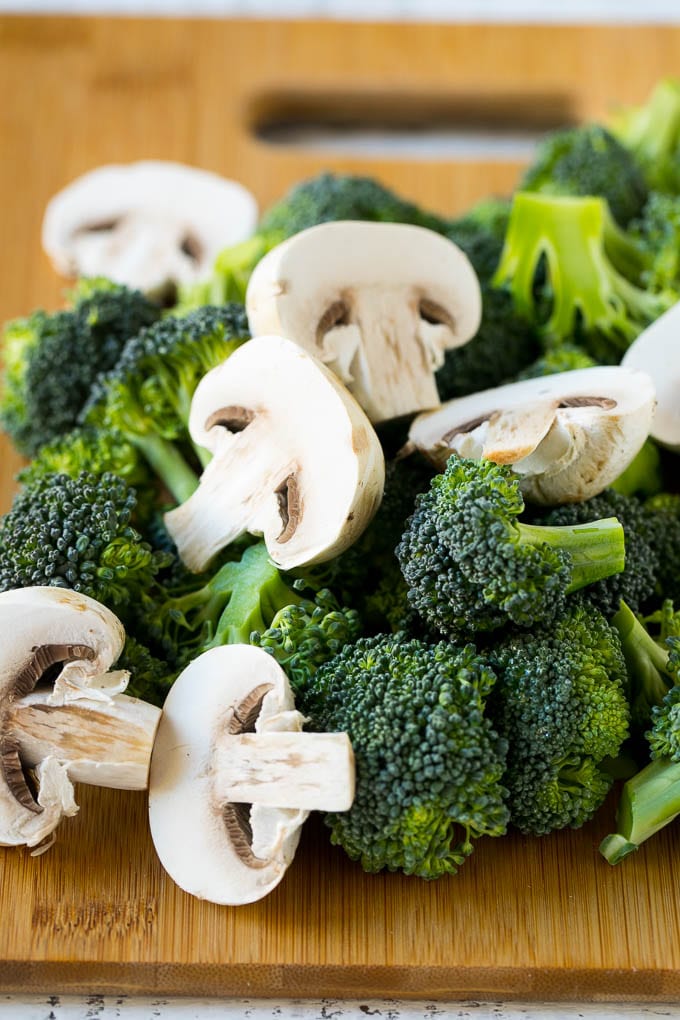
column 378, row 302
column 567, row 435
column 212, row 850
column 146, row 224
column 295, row 459
column 656, row 351
column 43, row 626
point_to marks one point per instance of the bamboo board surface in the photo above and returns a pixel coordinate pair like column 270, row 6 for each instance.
column 532, row 919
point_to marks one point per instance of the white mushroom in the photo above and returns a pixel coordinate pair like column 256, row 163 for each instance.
column 568, row 435
column 294, row 459
column 656, row 351
column 146, row 224
column 379, row 303
column 233, row 777
column 63, row 718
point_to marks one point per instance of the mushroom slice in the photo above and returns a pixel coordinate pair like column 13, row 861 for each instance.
column 295, row 459
column 146, row 224
column 63, row 717
column 657, row 352
column 379, row 303
column 567, row 435
column 233, row 777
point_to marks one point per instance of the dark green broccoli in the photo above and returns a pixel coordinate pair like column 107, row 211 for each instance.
column 76, row 533
column 150, row 678
column 505, row 343
column 636, row 584
column 591, row 289
column 303, row 636
column 588, row 160
column 322, row 199
column 664, row 522
column 147, row 396
column 657, row 234
column 652, row 133
column 480, row 232
column 52, row 360
column 560, row 703
column 650, row 800
column 428, row 763
column 471, row 565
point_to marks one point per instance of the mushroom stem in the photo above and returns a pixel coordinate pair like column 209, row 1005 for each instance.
column 288, row 770
column 103, row 743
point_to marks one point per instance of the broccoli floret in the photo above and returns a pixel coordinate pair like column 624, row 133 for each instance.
column 52, row 360
column 303, row 636
column 650, row 800
column 238, row 604
column 471, row 565
column 150, row 678
column 664, row 522
column 560, row 703
column 657, row 235
column 428, row 763
column 588, row 160
column 562, row 357
column 636, row 583
column 652, row 133
column 480, row 232
column 593, row 273
column 88, row 449
column 147, row 396
column 505, row 343
column 322, row 199
column 76, row 533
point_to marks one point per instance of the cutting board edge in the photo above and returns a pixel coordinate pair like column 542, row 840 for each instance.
column 545, row 984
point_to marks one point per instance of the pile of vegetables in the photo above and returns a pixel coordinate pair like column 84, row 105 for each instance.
column 498, row 644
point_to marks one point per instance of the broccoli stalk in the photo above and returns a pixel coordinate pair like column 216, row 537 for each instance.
column 646, row 662
column 470, row 565
column 650, row 800
column 652, row 133
column 592, row 268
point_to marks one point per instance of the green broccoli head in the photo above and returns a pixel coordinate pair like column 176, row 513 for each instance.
column 576, row 275
column 150, row 678
column 657, row 233
column 147, row 396
column 636, row 583
column 88, row 449
column 471, row 565
column 561, row 357
column 53, row 360
column 560, row 701
column 76, row 533
column 663, row 511
column 664, row 736
column 428, row 763
column 588, row 160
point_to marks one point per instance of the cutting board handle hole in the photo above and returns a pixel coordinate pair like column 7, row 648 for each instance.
column 398, row 125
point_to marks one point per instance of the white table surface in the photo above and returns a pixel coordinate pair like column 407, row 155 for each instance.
column 96, row 1007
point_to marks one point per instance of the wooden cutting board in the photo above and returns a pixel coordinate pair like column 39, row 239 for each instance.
column 531, row 919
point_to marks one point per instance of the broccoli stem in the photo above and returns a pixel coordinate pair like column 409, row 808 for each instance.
column 169, row 465
column 596, row 550
column 646, row 662
column 649, row 801
column 655, row 128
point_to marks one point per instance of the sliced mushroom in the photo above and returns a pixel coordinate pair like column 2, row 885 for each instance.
column 568, row 435
column 656, row 351
column 294, row 459
column 146, row 224
column 63, row 718
column 233, row 777
column 379, row 303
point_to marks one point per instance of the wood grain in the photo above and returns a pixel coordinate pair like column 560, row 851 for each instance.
column 530, row 919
